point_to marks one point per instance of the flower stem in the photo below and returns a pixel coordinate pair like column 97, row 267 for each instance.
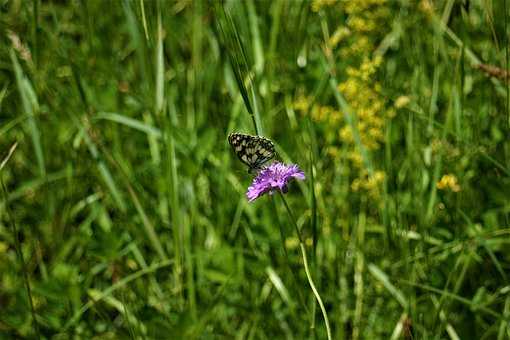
column 307, row 270
column 292, row 218
column 315, row 292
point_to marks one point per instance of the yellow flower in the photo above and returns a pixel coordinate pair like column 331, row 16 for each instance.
column 355, row 158
column 356, row 184
column 402, row 101
column 448, row 182
column 426, row 6
column 357, row 39
column 376, row 134
column 391, row 113
column 346, row 134
column 371, row 184
column 361, row 24
column 333, row 151
column 3, row 247
column 359, row 46
column 340, row 34
column 291, row 242
column 302, row 103
column 318, row 4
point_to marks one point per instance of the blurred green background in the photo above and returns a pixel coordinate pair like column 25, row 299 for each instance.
column 123, row 211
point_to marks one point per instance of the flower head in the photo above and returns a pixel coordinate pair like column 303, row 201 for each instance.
column 273, row 177
column 448, row 181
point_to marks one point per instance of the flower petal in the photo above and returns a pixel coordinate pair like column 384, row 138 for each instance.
column 272, row 178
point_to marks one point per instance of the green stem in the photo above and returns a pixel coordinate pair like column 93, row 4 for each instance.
column 19, row 252
column 307, row 270
column 315, row 292
column 293, row 275
column 292, row 218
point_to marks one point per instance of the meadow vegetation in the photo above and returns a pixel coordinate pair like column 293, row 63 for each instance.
column 123, row 210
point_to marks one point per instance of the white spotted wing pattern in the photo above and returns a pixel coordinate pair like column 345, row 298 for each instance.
column 253, row 151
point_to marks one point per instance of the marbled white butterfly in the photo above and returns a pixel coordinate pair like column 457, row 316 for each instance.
column 253, row 151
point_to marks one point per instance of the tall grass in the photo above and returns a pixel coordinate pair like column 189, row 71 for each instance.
column 130, row 208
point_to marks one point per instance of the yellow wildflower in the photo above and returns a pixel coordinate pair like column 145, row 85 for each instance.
column 333, row 151
column 291, row 242
column 356, row 158
column 302, row 103
column 371, row 184
column 356, row 184
column 391, row 113
column 402, row 101
column 346, row 134
column 367, row 23
column 359, row 46
column 340, row 34
column 448, row 181
column 426, row 6
column 318, row 4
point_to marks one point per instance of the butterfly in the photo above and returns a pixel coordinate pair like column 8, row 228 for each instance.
column 253, row 151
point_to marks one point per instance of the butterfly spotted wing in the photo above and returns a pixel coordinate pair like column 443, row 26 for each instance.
column 253, row 151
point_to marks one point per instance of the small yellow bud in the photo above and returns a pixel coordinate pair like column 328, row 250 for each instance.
column 402, row 101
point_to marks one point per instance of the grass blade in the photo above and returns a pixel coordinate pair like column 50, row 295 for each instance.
column 17, row 244
column 31, row 108
column 383, row 278
column 129, row 122
column 239, row 63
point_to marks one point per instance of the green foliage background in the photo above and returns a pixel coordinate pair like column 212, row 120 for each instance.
column 130, row 206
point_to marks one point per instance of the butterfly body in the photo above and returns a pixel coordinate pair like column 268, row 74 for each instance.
column 253, row 151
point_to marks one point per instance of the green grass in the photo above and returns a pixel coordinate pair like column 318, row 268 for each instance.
column 123, row 211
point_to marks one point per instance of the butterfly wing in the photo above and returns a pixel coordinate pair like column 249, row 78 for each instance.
column 259, row 151
column 253, row 151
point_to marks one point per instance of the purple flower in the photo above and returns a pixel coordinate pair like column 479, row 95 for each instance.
column 273, row 177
